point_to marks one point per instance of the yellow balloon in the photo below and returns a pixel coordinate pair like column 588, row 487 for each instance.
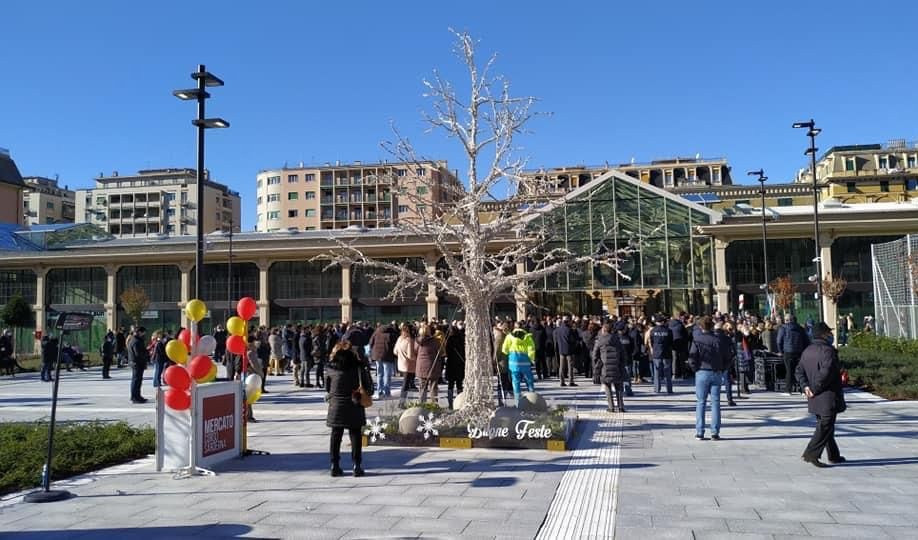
column 196, row 310
column 253, row 397
column 211, row 375
column 235, row 326
column 177, row 351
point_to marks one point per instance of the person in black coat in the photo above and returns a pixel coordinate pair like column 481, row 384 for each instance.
column 139, row 358
column 608, row 362
column 566, row 339
column 819, row 374
column 792, row 340
column 540, row 339
column 49, row 346
column 107, row 350
column 455, row 362
column 345, row 374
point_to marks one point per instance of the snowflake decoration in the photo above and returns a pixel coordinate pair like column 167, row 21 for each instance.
column 427, row 427
column 376, row 429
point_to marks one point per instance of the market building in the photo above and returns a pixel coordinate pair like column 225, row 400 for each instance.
column 683, row 256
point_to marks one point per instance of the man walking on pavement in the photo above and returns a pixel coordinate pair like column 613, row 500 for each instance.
column 819, row 374
column 680, row 345
column 661, row 350
column 792, row 340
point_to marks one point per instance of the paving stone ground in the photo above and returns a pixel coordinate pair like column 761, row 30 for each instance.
column 637, row 475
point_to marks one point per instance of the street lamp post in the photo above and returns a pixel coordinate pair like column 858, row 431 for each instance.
column 812, row 132
column 204, row 80
column 229, row 272
column 762, row 178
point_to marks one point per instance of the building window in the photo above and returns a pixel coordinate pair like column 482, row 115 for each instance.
column 911, row 184
column 741, row 201
column 422, row 208
column 785, row 201
column 257, row 217
column 420, row 171
column 49, row 205
column 422, row 190
column 849, row 164
column 273, row 197
column 910, row 162
column 259, row 200
column 402, row 209
column 293, row 196
column 884, row 186
column 310, row 177
column 883, row 162
column 310, row 212
column 274, row 214
column 100, row 201
column 852, row 187
column 668, row 178
column 400, row 172
column 292, row 178
column 293, row 213
column 309, row 195
column 259, row 183
column 273, row 180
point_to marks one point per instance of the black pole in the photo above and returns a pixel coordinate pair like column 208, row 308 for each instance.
column 199, row 254
column 764, row 238
column 812, row 133
column 46, row 495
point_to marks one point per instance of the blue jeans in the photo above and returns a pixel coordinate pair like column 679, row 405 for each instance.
column 158, row 369
column 663, row 367
column 516, row 377
column 384, row 377
column 708, row 383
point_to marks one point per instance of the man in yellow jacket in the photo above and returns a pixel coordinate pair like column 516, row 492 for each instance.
column 520, row 350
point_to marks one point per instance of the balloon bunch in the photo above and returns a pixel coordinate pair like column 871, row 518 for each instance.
column 236, row 343
column 200, row 367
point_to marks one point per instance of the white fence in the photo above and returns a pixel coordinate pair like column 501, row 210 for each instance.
column 895, row 270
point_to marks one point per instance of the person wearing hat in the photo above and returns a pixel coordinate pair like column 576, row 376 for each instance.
column 661, row 351
column 819, row 374
column 138, row 358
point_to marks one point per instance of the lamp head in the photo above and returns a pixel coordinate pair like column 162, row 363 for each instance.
column 808, row 125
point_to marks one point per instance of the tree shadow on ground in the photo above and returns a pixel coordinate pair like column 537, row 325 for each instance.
column 879, row 462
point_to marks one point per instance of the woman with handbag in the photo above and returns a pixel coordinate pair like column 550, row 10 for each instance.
column 347, row 381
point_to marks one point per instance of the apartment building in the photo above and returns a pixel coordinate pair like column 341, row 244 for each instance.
column 366, row 195
column 11, row 188
column 45, row 202
column 868, row 172
column 664, row 173
column 157, row 202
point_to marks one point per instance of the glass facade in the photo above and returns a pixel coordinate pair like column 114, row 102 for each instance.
column 244, row 282
column 21, row 282
column 304, row 291
column 666, row 253
column 77, row 287
column 162, row 283
column 368, row 293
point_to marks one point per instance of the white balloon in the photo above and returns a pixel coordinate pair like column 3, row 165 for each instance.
column 252, row 384
column 206, row 346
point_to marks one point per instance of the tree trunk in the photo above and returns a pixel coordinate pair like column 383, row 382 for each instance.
column 478, row 387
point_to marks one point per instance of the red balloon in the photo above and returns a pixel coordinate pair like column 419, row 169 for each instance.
column 185, row 337
column 178, row 400
column 199, row 366
column 177, row 377
column 246, row 308
column 235, row 345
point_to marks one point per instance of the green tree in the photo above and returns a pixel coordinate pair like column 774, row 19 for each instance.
column 135, row 301
column 17, row 312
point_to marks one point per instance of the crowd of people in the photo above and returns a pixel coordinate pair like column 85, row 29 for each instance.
column 614, row 352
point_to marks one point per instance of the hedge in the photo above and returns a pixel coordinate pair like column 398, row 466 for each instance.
column 78, row 448
column 882, row 366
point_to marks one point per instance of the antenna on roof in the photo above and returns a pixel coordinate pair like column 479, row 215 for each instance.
column 698, row 155
column 632, row 160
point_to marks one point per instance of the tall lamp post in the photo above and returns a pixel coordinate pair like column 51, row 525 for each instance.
column 760, row 174
column 229, row 271
column 812, row 132
column 204, row 79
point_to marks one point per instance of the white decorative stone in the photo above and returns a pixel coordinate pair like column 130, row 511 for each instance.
column 506, row 417
column 459, row 401
column 532, row 402
column 409, row 421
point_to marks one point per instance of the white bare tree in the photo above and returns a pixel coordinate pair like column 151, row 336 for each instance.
column 481, row 241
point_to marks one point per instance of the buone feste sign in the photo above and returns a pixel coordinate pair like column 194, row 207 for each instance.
column 524, row 429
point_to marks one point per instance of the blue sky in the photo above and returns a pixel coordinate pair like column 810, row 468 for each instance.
column 86, row 86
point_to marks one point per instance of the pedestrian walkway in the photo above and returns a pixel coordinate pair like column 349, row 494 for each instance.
column 635, row 475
